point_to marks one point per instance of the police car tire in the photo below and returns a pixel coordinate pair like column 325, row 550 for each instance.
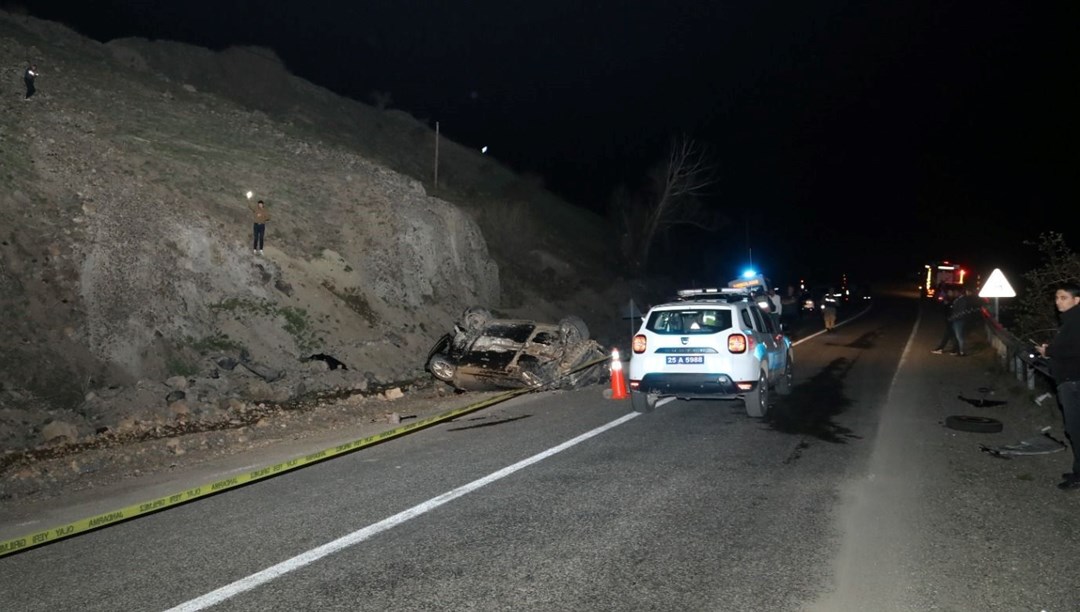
column 757, row 401
column 974, row 424
column 783, row 386
column 642, row 402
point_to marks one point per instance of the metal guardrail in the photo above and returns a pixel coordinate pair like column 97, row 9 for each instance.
column 1017, row 355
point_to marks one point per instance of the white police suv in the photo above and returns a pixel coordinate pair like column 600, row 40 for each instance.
column 716, row 343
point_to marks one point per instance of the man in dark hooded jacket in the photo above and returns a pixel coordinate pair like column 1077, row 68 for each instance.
column 1063, row 353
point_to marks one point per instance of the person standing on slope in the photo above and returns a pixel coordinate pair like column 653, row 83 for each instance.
column 28, row 78
column 261, row 217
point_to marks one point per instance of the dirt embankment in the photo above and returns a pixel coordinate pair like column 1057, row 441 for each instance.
column 132, row 300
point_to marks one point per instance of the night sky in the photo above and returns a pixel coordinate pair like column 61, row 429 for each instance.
column 859, row 137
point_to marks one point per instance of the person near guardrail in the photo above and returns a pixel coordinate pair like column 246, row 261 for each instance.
column 1063, row 353
column 962, row 310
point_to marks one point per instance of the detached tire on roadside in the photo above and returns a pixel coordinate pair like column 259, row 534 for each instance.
column 973, row 424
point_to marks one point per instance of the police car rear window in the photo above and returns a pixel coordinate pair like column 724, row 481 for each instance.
column 689, row 321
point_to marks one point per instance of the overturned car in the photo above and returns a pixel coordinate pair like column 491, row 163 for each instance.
column 484, row 353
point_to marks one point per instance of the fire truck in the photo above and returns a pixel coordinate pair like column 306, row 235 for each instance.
column 939, row 276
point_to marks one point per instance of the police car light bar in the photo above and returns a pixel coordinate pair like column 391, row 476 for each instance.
column 690, row 292
column 708, row 291
column 747, row 283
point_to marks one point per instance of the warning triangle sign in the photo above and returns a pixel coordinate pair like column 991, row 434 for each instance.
column 996, row 286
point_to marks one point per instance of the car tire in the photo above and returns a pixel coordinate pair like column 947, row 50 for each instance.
column 787, row 378
column 643, row 402
column 570, row 377
column 442, row 368
column 973, row 424
column 475, row 318
column 757, row 401
column 573, row 330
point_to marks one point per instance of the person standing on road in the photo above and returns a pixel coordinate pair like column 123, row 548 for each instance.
column 963, row 308
column 261, row 217
column 789, row 309
column 776, row 306
column 1063, row 352
column 829, row 304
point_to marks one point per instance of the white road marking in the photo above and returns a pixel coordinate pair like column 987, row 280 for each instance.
column 259, row 578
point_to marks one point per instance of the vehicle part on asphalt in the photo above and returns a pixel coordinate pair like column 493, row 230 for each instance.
column 973, row 424
column 979, row 402
column 1042, row 444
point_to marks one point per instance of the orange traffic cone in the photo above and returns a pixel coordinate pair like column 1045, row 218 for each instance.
column 618, row 379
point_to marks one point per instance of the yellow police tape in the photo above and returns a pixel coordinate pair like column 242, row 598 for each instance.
column 94, row 522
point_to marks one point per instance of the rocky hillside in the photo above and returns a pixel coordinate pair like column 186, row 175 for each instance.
column 128, row 286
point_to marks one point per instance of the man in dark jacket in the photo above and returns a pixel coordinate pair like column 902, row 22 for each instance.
column 1064, row 355
column 963, row 309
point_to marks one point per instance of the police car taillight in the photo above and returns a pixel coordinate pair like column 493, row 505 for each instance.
column 639, row 344
column 738, row 343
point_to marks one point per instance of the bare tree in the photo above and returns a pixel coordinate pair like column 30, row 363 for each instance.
column 1035, row 315
column 678, row 184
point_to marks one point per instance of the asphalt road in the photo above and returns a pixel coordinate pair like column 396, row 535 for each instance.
column 556, row 501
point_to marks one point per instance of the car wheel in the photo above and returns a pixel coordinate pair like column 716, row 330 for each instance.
column 643, row 402
column 973, row 424
column 475, row 318
column 787, row 379
column 757, row 401
column 573, row 330
column 574, row 378
column 442, row 368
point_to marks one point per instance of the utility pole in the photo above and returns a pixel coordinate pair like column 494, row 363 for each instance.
column 436, row 155
column 749, row 250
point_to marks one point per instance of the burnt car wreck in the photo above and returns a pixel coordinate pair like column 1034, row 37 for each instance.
column 484, row 354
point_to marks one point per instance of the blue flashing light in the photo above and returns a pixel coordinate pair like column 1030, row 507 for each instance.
column 749, row 273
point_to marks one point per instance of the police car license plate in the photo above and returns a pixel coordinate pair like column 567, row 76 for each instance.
column 684, row 359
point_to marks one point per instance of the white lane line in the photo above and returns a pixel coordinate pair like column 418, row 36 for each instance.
column 246, row 584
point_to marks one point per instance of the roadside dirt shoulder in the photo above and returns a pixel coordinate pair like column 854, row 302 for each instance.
column 936, row 523
column 77, row 485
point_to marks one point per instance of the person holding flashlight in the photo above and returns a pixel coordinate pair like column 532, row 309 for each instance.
column 28, row 78
column 261, row 217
